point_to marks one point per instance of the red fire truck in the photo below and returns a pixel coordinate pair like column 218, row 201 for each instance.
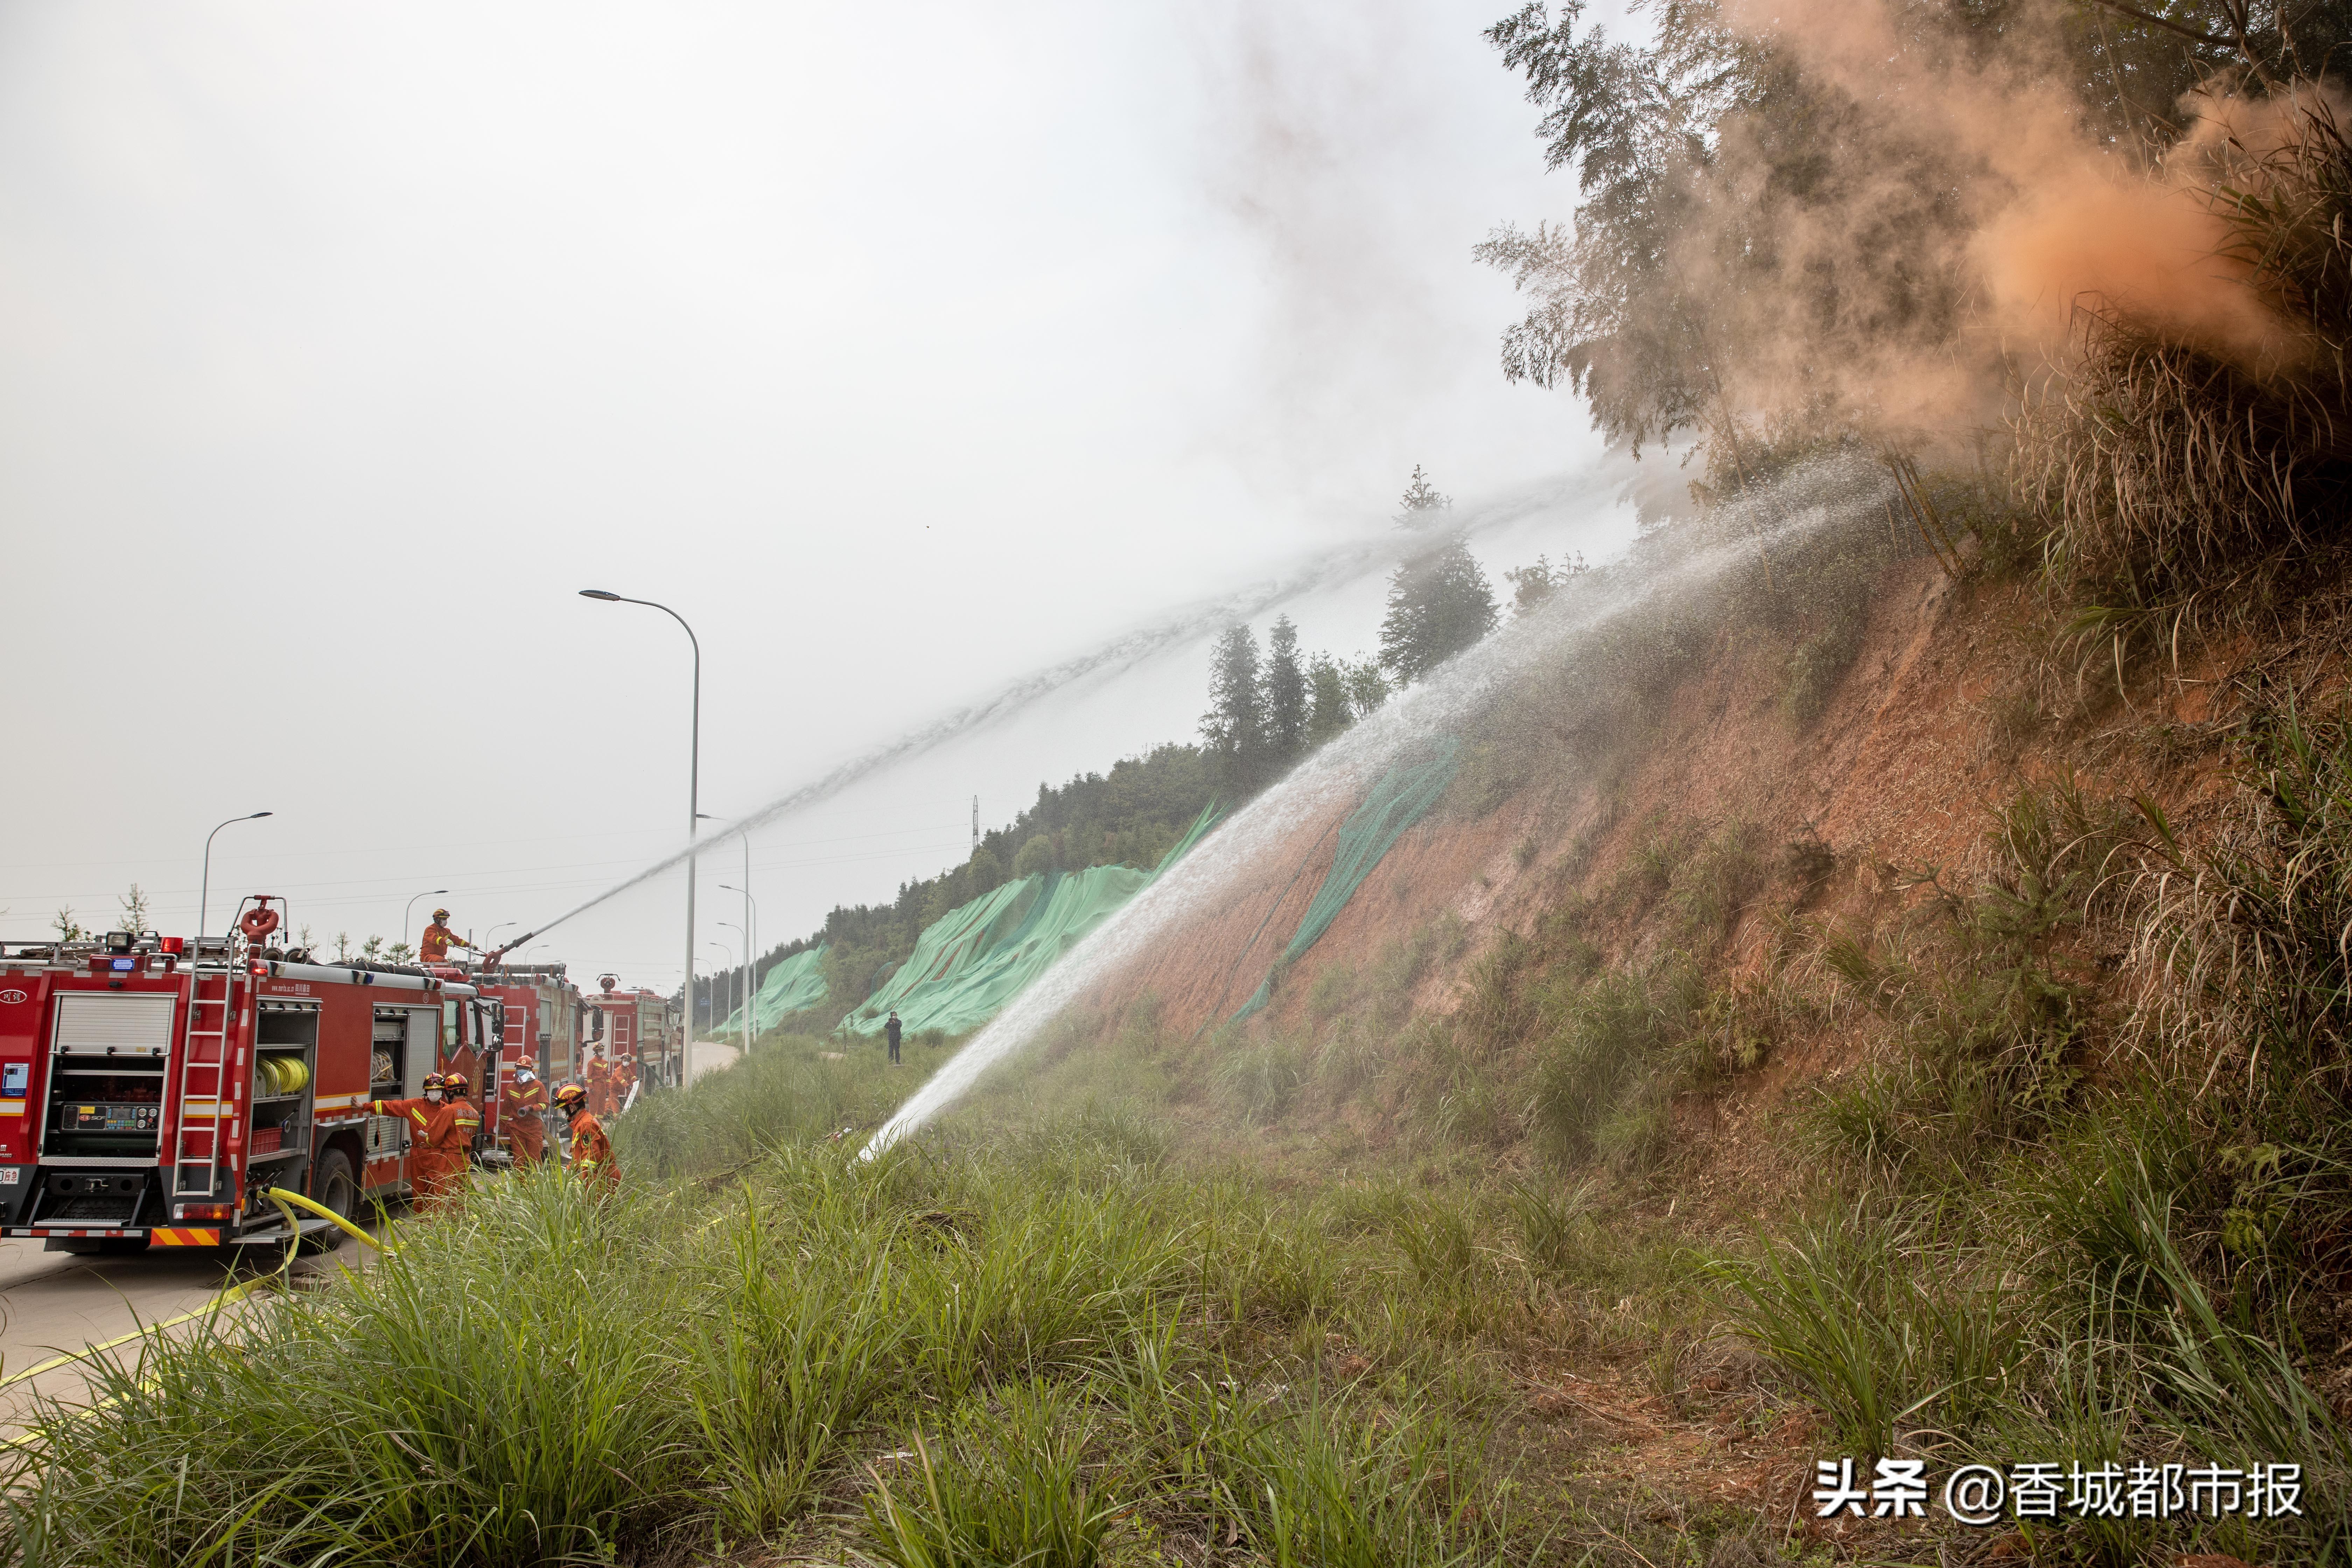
column 152, row 1087
column 638, row 1025
column 545, row 1028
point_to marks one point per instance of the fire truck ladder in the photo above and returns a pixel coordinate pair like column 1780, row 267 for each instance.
column 183, row 1167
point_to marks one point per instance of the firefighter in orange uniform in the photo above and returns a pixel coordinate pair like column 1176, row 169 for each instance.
column 525, row 1097
column 438, row 939
column 592, row 1152
column 600, row 1085
column 624, row 1078
column 441, row 1128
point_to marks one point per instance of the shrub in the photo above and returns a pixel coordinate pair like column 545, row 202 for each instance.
column 1260, row 1078
column 1594, row 1091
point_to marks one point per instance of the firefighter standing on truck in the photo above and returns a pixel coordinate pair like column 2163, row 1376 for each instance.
column 592, row 1152
column 441, row 1129
column 525, row 1097
column 438, row 939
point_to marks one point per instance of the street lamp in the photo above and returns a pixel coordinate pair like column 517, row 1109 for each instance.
column 746, row 935
column 693, row 814
column 406, row 913
column 750, row 965
column 730, row 953
column 204, row 889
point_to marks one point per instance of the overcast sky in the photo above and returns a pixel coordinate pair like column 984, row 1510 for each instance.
column 903, row 351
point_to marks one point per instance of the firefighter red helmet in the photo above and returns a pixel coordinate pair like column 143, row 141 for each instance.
column 569, row 1097
column 456, row 1080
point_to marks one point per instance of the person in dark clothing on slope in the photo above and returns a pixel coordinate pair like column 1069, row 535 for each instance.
column 890, row 1032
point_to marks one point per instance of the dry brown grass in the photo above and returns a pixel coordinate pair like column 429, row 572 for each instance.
column 2181, row 480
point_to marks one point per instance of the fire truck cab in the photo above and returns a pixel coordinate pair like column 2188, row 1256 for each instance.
column 636, row 1025
column 543, row 1022
column 152, row 1089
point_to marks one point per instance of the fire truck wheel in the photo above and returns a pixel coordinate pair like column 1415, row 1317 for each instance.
column 335, row 1187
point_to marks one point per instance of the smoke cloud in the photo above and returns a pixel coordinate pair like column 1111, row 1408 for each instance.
column 1961, row 212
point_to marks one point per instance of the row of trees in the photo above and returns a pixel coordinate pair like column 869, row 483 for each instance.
column 137, row 904
column 1269, row 707
column 1130, row 816
column 1267, row 711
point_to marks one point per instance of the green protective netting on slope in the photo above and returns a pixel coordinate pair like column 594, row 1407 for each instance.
column 974, row 959
column 792, row 986
column 1210, row 814
column 1403, row 795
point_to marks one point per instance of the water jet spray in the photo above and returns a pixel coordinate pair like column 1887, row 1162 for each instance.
column 1174, row 629
column 1836, row 490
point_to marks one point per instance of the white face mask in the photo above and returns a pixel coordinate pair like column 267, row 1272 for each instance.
column 433, row 1094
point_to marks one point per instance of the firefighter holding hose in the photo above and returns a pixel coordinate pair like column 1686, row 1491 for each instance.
column 442, row 1123
column 438, row 939
column 592, row 1152
column 525, row 1098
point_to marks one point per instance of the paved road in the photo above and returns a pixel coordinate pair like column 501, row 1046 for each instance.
column 55, row 1302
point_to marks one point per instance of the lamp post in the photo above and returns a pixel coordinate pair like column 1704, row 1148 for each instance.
column 693, row 814
column 205, row 888
column 746, row 1005
column 730, row 953
column 750, row 917
column 409, row 913
column 751, row 923
column 750, row 972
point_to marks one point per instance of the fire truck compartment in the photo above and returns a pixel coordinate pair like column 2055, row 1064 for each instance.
column 285, row 1079
column 96, row 1199
column 103, row 1024
column 110, row 1112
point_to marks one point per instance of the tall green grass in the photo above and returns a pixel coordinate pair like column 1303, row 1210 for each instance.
column 1043, row 1317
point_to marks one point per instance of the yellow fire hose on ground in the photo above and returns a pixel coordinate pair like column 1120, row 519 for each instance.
column 278, row 1195
column 281, row 1197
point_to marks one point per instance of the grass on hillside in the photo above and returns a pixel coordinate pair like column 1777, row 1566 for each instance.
column 2086, row 1196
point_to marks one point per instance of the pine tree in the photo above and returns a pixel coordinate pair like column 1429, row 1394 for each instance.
column 1234, row 729
column 1423, row 506
column 1439, row 604
column 1285, row 696
column 1328, row 711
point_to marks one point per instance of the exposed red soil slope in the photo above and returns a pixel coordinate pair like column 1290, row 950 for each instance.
column 1897, row 776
